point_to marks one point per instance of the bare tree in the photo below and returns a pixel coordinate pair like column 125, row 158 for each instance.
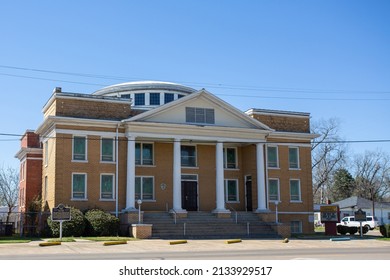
column 9, row 188
column 372, row 176
column 328, row 155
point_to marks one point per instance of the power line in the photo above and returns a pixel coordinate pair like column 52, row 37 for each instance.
column 221, row 94
column 211, row 85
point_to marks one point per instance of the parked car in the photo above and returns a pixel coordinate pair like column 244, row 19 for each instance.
column 349, row 225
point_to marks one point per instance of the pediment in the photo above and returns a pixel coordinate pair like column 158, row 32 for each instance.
column 209, row 110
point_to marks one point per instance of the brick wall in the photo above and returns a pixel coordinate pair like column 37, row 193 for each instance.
column 285, row 123
column 90, row 109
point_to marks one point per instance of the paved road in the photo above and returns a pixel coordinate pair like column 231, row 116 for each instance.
column 355, row 249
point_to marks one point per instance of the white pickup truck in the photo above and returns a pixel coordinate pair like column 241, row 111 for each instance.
column 349, row 225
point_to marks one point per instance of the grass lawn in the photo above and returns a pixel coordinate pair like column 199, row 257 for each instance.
column 91, row 238
column 109, row 238
column 16, row 239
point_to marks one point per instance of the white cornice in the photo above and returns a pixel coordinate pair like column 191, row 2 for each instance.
column 192, row 132
column 51, row 121
column 23, row 152
column 293, row 135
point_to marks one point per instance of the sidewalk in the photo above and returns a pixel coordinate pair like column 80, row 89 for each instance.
column 159, row 245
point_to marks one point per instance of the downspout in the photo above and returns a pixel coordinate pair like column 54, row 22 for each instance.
column 116, row 170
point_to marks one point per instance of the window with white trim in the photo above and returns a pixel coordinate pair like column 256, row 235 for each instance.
column 231, row 190
column 144, row 188
column 272, row 156
column 107, row 186
column 273, row 189
column 295, row 190
column 188, row 156
column 107, row 149
column 296, row 226
column 168, row 97
column 46, row 149
column 80, row 148
column 200, row 115
column 230, row 158
column 293, row 157
column 139, row 99
column 79, row 186
column 154, row 98
column 144, row 153
column 45, row 189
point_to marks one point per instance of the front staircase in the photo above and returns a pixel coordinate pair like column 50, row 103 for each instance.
column 199, row 225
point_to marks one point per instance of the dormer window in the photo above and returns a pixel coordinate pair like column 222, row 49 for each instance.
column 200, row 115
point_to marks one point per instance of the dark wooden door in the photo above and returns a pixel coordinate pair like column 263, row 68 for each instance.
column 189, row 195
column 248, row 186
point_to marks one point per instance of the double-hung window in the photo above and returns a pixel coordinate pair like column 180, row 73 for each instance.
column 200, row 115
column 79, row 186
column 188, row 156
column 295, row 190
column 144, row 188
column 272, row 156
column 80, row 148
column 293, row 157
column 273, row 189
column 106, row 186
column 230, row 158
column 143, row 153
column 107, row 152
column 231, row 190
column 296, row 226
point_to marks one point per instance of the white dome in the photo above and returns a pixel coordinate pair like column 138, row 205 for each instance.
column 143, row 85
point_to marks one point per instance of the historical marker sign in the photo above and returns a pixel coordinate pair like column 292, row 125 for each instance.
column 360, row 216
column 61, row 213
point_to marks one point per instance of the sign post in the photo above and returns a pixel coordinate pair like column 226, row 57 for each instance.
column 360, row 216
column 60, row 214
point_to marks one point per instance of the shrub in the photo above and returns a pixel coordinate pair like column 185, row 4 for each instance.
column 100, row 223
column 385, row 230
column 74, row 227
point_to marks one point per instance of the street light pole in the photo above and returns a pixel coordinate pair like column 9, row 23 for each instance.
column 139, row 201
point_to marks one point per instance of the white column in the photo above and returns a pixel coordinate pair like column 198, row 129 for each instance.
column 130, row 185
column 177, row 175
column 261, row 198
column 219, row 182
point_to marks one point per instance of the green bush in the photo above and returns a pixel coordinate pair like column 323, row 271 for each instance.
column 385, row 230
column 74, row 227
column 100, row 223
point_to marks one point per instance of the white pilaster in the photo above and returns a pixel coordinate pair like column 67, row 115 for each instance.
column 219, row 182
column 177, row 175
column 130, row 185
column 261, row 197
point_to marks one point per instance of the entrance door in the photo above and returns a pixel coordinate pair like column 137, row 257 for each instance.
column 189, row 195
column 248, row 190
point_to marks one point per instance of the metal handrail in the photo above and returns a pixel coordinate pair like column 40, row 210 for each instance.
column 175, row 215
column 235, row 212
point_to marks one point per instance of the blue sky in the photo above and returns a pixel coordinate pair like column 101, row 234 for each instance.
column 328, row 58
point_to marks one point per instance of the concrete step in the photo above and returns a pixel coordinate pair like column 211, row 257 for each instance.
column 207, row 225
